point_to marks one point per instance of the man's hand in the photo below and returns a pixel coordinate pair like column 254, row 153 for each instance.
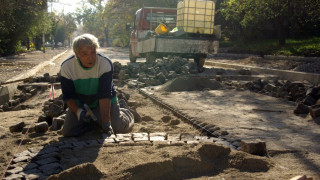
column 107, row 128
column 83, row 115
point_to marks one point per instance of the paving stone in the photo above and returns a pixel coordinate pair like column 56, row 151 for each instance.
column 48, row 150
column 140, row 137
column 193, row 142
column 30, row 166
column 123, row 137
column 109, row 140
column 44, row 156
column 32, row 171
column 255, row 147
column 35, row 149
column 173, row 137
column 23, row 153
column 187, row 137
column 16, row 170
column 57, row 144
column 301, row 109
column 70, row 140
column 21, row 159
column 47, row 161
column 203, row 139
column 13, row 177
column 79, row 144
column 34, row 176
column 17, row 127
column 92, row 143
column 57, row 123
column 20, row 164
column 100, row 141
column 49, row 169
column 66, row 146
column 160, row 136
column 314, row 111
column 29, row 128
column 225, row 143
column 41, row 127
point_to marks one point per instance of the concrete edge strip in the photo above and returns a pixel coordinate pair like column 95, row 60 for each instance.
column 35, row 69
column 290, row 75
column 267, row 57
column 10, row 89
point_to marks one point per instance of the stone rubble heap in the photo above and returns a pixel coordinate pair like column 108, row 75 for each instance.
column 157, row 73
column 54, row 113
column 27, row 90
column 41, row 162
column 306, row 96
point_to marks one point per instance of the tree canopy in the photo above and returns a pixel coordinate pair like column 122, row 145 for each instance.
column 17, row 18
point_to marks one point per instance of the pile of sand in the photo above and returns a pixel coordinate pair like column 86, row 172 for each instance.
column 82, row 171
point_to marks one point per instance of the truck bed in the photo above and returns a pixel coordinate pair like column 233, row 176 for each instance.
column 176, row 45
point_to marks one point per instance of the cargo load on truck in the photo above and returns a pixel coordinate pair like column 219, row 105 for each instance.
column 187, row 31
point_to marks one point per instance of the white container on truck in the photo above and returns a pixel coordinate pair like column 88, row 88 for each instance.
column 194, row 36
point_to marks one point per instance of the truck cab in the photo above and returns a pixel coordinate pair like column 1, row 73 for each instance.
column 146, row 20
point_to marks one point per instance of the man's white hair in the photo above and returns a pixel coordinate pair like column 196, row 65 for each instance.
column 85, row 39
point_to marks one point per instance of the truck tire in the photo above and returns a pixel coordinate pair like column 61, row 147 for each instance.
column 200, row 60
column 132, row 58
column 151, row 57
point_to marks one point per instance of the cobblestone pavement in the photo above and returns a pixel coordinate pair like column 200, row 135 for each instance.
column 42, row 161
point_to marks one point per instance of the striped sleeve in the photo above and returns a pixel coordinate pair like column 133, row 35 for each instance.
column 105, row 80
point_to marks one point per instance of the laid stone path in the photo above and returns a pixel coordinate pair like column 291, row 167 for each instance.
column 43, row 161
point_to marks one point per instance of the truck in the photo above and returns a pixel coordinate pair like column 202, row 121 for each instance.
column 146, row 43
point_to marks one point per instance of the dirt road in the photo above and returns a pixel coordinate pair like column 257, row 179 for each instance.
column 292, row 141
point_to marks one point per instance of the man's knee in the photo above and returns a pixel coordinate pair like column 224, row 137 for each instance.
column 123, row 123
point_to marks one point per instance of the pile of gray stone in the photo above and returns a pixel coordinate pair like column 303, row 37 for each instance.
column 306, row 96
column 311, row 67
column 53, row 118
column 30, row 88
column 156, row 73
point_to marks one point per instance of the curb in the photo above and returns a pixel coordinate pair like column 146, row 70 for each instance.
column 7, row 91
column 267, row 57
column 285, row 74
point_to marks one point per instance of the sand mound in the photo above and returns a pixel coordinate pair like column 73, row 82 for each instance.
column 190, row 83
column 204, row 160
column 82, row 171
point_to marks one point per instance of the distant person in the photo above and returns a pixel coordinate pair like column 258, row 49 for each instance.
column 86, row 78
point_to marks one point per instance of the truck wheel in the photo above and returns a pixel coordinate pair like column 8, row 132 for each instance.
column 150, row 58
column 132, row 58
column 200, row 61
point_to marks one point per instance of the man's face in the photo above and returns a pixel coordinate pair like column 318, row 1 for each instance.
column 87, row 56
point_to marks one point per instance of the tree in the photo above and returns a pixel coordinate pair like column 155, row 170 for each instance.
column 16, row 20
column 251, row 19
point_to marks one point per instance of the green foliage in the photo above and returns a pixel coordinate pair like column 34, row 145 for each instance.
column 64, row 28
column 17, row 18
column 244, row 20
column 293, row 47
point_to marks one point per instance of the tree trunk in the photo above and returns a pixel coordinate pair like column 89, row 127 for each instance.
column 28, row 43
column 281, row 28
